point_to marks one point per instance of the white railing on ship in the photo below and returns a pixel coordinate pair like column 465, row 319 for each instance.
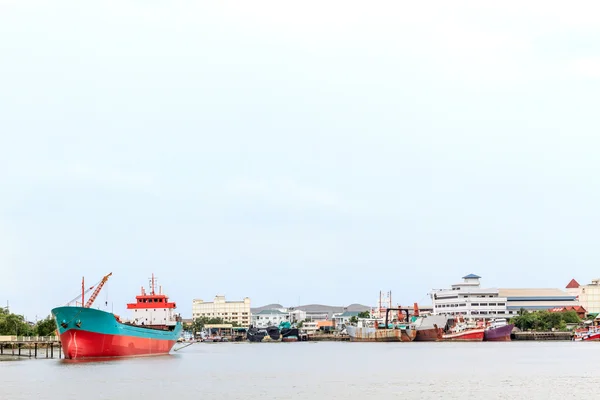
column 28, row 339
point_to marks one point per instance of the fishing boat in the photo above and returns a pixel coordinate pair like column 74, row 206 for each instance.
column 86, row 332
column 289, row 333
column 430, row 328
column 498, row 330
column 463, row 331
column 378, row 330
column 255, row 334
column 591, row 333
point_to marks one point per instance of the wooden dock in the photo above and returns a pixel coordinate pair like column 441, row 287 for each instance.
column 328, row 338
column 543, row 335
column 30, row 346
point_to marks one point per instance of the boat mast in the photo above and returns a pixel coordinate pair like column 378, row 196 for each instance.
column 152, row 285
column 82, row 290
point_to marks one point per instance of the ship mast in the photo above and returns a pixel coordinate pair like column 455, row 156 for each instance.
column 152, row 285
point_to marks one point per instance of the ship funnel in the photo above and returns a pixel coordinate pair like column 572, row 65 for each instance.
column 416, row 308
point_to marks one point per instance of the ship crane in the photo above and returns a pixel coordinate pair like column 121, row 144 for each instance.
column 97, row 291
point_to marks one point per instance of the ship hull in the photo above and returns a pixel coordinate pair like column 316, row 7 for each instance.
column 357, row 334
column 256, row 335
column 471, row 335
column 430, row 328
column 89, row 333
column 500, row 334
column 289, row 335
column 429, row 335
column 590, row 336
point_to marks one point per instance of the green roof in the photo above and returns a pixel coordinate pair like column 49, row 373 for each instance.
column 349, row 314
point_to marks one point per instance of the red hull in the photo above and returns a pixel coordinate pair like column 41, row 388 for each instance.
column 472, row 335
column 83, row 344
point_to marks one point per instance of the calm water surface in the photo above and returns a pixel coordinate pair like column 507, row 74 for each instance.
column 516, row 370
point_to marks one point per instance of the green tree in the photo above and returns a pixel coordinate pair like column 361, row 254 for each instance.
column 14, row 325
column 45, row 327
column 571, row 317
column 544, row 320
column 353, row 319
column 199, row 323
column 364, row 314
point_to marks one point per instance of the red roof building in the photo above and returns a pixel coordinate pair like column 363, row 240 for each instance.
column 573, row 284
column 581, row 312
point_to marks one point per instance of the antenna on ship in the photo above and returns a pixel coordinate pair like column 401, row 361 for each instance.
column 152, row 284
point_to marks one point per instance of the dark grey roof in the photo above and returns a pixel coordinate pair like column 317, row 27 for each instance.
column 270, row 312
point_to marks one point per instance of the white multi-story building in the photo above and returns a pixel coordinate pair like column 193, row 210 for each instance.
column 342, row 319
column 228, row 311
column 267, row 318
column 297, row 315
column 469, row 299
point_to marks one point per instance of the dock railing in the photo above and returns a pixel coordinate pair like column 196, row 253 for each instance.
column 29, row 339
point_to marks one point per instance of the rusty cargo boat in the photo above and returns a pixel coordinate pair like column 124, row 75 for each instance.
column 389, row 330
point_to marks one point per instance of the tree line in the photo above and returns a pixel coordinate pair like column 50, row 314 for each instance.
column 544, row 320
column 15, row 325
column 200, row 322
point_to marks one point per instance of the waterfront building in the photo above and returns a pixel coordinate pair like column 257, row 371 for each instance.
column 536, row 299
column 297, row 315
column 468, row 298
column 342, row 319
column 228, row 311
column 267, row 318
column 588, row 295
column 310, row 327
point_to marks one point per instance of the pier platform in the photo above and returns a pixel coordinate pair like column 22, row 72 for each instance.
column 31, row 346
column 543, row 335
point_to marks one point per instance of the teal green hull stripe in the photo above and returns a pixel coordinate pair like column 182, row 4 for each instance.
column 103, row 322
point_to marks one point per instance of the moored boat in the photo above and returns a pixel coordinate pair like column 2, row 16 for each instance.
column 255, row 335
column 273, row 334
column 90, row 333
column 430, row 328
column 463, row 331
column 498, row 331
column 376, row 330
column 591, row 333
column 288, row 333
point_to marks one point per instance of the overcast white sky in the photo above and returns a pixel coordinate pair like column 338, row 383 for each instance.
column 312, row 152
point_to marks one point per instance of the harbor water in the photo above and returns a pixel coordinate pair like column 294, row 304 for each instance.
column 324, row 370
